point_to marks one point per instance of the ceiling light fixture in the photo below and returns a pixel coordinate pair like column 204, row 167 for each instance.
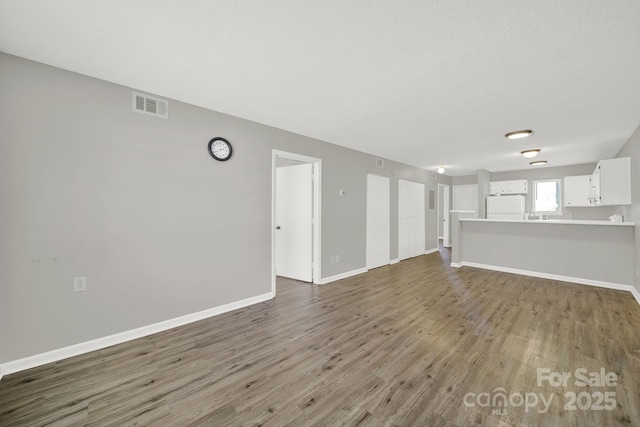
column 530, row 154
column 519, row 134
column 440, row 170
column 538, row 163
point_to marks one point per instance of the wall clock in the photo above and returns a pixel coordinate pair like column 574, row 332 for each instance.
column 220, row 149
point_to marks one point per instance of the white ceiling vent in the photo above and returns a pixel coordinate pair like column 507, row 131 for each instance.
column 379, row 163
column 150, row 105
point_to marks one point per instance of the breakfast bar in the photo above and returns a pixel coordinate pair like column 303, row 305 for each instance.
column 590, row 252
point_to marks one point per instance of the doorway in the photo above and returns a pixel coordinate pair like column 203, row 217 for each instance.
column 295, row 217
column 444, row 207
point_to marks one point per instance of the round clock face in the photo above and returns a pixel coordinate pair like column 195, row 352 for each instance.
column 220, row 149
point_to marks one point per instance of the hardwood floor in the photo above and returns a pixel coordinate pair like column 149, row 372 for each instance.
column 402, row 345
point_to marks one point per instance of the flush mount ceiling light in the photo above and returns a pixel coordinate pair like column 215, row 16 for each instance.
column 440, row 170
column 518, row 134
column 530, row 154
column 538, row 163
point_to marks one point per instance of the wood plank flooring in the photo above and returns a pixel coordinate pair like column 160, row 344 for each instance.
column 402, row 345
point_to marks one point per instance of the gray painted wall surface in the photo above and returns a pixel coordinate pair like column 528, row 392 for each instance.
column 632, row 213
column 585, row 213
column 136, row 204
column 464, row 180
column 595, row 252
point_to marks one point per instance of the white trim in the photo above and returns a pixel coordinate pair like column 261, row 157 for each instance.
column 579, row 280
column 343, row 275
column 456, row 264
column 119, row 338
column 430, row 251
column 634, row 292
column 394, row 261
column 553, row 221
column 317, row 213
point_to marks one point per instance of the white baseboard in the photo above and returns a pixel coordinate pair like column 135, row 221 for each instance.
column 430, row 251
column 100, row 343
column 635, row 293
column 394, row 261
column 342, row 276
column 571, row 279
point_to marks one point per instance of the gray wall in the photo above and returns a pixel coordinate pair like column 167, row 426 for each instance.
column 586, row 213
column 593, row 252
column 632, row 213
column 135, row 203
column 464, row 180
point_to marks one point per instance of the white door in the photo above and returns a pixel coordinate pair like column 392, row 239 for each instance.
column 378, row 221
column 446, row 229
column 294, row 227
column 411, row 219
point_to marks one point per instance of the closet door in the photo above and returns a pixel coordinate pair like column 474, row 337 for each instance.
column 378, row 221
column 411, row 219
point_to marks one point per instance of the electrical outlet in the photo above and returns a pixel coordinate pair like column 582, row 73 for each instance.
column 337, row 259
column 332, row 259
column 80, row 284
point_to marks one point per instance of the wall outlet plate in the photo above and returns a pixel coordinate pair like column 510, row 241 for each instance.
column 80, row 284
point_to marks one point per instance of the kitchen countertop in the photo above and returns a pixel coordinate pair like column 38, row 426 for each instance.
column 553, row 221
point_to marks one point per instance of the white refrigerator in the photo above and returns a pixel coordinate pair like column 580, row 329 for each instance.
column 505, row 207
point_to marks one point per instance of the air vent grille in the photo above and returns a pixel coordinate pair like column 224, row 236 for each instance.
column 150, row 105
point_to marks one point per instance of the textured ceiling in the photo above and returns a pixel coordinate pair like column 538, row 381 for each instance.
column 427, row 83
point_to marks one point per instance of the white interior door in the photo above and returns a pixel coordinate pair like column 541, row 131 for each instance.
column 378, row 221
column 440, row 212
column 294, row 226
column 446, row 216
column 411, row 219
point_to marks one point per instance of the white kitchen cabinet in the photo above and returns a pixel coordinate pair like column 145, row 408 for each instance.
column 611, row 182
column 497, row 187
column 516, row 186
column 577, row 191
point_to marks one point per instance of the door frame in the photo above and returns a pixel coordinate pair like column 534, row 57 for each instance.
column 316, row 247
column 446, row 201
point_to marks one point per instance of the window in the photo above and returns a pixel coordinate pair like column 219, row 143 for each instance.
column 546, row 197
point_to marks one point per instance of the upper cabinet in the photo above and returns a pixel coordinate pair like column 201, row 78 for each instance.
column 518, row 186
column 577, row 191
column 611, row 182
column 608, row 185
